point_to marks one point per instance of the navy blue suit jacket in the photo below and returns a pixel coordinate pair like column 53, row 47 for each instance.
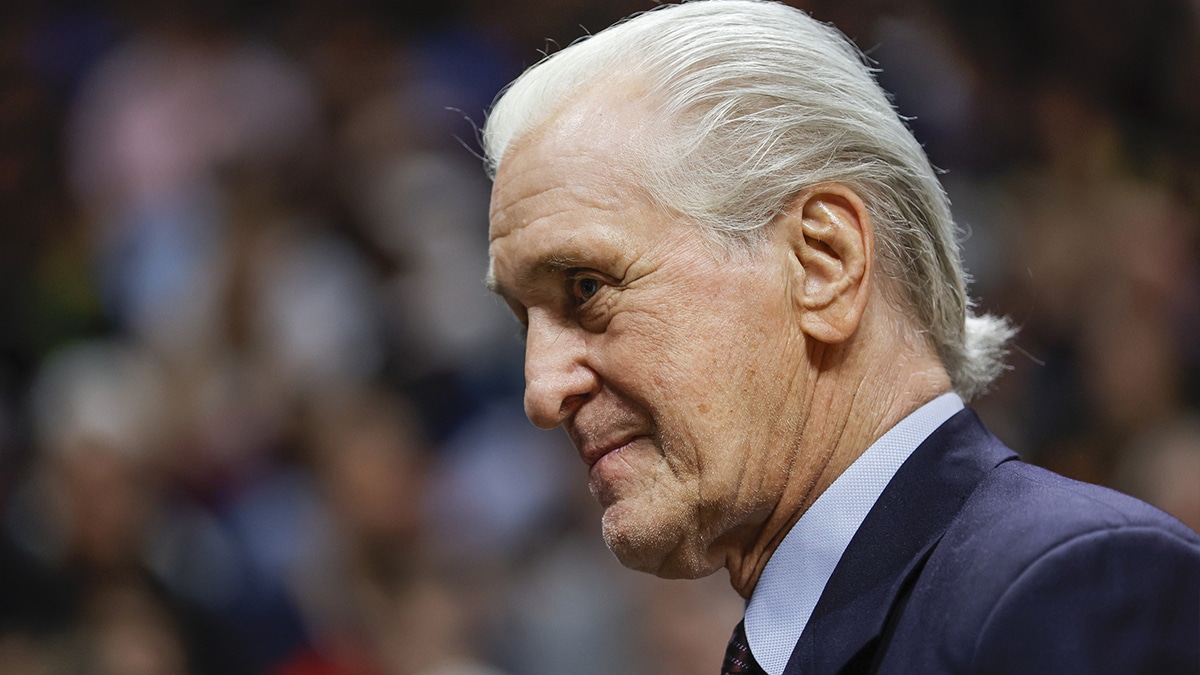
column 973, row 561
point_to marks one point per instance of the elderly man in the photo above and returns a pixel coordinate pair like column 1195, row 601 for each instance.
column 744, row 302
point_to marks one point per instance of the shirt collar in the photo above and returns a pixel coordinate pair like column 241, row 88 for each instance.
column 795, row 576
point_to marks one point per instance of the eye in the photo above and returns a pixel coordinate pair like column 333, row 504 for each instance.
column 584, row 288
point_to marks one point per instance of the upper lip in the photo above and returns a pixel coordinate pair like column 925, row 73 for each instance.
column 592, row 452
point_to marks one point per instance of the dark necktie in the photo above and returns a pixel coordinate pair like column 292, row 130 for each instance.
column 738, row 658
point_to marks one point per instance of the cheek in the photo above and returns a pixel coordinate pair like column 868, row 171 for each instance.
column 665, row 363
column 704, row 352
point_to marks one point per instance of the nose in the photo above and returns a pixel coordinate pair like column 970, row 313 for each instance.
column 557, row 377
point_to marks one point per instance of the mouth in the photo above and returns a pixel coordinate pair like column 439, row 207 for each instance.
column 607, row 432
column 593, row 453
column 607, row 465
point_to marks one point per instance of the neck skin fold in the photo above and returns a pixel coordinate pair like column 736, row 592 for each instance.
column 859, row 389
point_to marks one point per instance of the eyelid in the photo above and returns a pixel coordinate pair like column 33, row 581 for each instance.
column 577, row 273
column 573, row 284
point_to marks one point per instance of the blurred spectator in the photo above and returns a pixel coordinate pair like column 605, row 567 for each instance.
column 154, row 123
column 1162, row 466
column 259, row 415
column 83, row 521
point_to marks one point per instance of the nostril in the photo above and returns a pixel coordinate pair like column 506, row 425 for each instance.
column 571, row 403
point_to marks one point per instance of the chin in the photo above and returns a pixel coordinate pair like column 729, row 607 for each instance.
column 658, row 546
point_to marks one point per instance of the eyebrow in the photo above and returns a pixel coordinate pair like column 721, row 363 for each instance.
column 554, row 263
column 489, row 280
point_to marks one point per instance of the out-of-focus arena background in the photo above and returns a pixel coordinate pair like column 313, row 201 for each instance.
column 258, row 414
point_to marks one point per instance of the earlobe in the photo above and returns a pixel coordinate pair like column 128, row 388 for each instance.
column 832, row 244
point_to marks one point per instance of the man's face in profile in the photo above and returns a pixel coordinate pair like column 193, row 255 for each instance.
column 668, row 361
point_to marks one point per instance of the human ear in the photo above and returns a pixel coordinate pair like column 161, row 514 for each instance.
column 831, row 242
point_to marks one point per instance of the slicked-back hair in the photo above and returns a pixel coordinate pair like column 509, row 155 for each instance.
column 760, row 102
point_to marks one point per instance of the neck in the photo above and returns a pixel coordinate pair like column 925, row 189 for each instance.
column 859, row 390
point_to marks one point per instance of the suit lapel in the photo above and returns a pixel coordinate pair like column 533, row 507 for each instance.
column 893, row 542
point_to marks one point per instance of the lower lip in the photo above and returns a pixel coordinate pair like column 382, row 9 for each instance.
column 603, row 475
column 606, row 458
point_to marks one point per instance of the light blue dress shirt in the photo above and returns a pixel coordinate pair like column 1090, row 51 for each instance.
column 797, row 572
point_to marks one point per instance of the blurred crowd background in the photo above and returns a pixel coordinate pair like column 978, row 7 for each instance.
column 258, row 414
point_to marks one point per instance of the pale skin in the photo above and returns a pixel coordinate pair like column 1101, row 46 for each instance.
column 713, row 394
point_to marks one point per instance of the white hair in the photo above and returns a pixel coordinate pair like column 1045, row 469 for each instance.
column 763, row 102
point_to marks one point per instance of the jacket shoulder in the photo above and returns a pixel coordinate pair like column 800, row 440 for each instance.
column 1040, row 573
column 1028, row 507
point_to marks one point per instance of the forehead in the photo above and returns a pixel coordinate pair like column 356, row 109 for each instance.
column 544, row 181
column 568, row 194
column 588, row 153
